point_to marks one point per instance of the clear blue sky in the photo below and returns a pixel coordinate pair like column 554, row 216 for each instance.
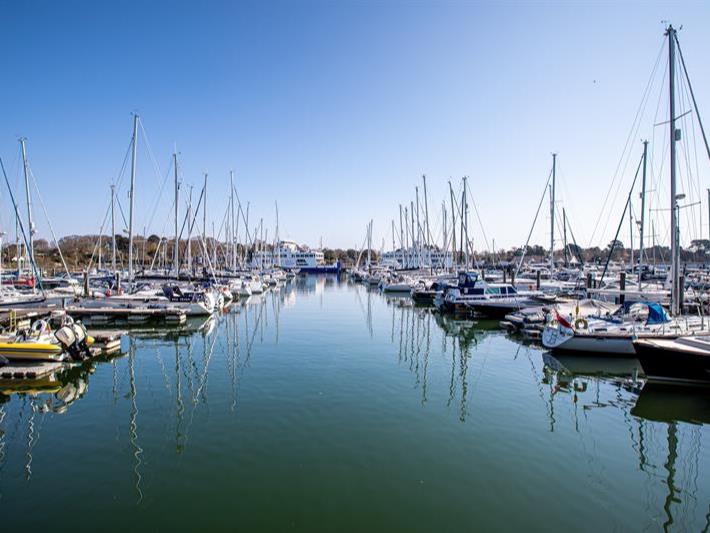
column 336, row 109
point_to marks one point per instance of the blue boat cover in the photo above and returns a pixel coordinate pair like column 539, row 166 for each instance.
column 656, row 314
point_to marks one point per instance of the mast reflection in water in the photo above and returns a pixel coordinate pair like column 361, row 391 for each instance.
column 314, row 403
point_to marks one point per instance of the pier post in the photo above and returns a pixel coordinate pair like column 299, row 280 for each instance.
column 86, row 283
column 622, row 288
column 589, row 280
column 505, row 271
column 681, row 293
column 537, row 280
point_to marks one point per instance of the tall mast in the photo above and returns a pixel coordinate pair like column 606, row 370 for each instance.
column 406, row 237
column 426, row 221
column 130, row 195
column 414, row 243
column 189, row 232
column 113, row 228
column 369, row 243
column 393, row 241
column 465, row 213
column 564, row 234
column 30, row 250
column 463, row 217
column 631, row 237
column 552, row 213
column 401, row 235
column 204, row 219
column 445, row 245
column 419, row 230
column 233, row 237
column 176, row 250
column 674, row 136
column 643, row 210
column 453, row 226
column 277, row 237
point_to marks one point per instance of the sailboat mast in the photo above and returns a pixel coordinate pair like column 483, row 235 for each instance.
column 465, row 214
column 113, row 228
column 134, row 148
column 445, row 245
column 643, row 211
column 189, row 232
column 176, row 249
column 453, row 225
column 277, row 237
column 232, row 227
column 401, row 234
column 552, row 213
column 564, row 234
column 674, row 135
column 419, row 230
column 204, row 219
column 426, row 222
column 30, row 237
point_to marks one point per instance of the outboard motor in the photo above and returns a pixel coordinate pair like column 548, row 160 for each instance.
column 73, row 338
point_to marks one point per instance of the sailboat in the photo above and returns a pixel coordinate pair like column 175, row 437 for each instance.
column 618, row 339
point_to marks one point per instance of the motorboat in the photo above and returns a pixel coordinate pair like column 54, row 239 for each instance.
column 680, row 360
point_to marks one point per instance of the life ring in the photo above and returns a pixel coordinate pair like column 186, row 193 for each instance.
column 581, row 323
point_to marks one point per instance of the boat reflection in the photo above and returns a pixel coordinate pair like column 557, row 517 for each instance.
column 670, row 404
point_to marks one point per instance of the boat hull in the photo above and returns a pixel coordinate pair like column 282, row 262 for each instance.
column 673, row 366
column 31, row 351
column 558, row 341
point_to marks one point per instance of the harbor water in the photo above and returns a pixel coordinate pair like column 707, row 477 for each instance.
column 325, row 406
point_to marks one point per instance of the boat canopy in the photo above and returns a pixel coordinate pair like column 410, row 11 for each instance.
column 656, row 313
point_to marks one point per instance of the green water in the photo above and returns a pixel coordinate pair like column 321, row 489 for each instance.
column 325, row 407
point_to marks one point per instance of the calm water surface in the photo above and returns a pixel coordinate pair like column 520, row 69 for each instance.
column 325, row 407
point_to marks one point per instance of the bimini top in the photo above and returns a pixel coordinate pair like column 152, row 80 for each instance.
column 467, row 279
column 656, row 313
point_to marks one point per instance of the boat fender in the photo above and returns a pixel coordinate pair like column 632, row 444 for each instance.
column 581, row 323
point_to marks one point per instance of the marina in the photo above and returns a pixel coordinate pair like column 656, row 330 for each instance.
column 392, row 399
column 299, row 295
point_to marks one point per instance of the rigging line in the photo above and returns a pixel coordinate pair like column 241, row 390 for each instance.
column 525, row 248
column 634, row 126
column 101, row 231
column 156, row 166
column 51, row 228
column 160, row 195
column 22, row 229
column 657, row 176
column 574, row 241
column 691, row 215
column 157, row 249
column 692, row 96
column 480, row 222
column 123, row 215
column 121, row 172
column 623, row 216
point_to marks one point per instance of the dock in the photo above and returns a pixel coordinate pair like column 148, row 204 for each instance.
column 106, row 341
column 98, row 316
